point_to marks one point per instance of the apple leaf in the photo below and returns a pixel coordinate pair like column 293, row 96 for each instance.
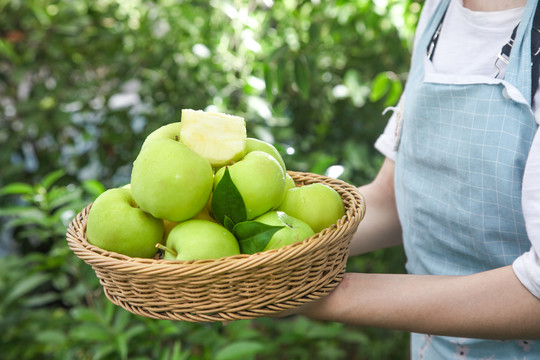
column 227, row 201
column 253, row 236
column 228, row 223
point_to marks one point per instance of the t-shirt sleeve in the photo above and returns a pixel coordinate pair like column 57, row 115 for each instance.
column 527, row 266
column 385, row 143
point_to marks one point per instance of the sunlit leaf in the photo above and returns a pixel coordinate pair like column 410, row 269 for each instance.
column 17, row 188
column 52, row 178
column 396, row 89
column 379, row 87
column 93, row 187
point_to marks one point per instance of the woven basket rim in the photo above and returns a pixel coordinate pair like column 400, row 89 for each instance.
column 93, row 255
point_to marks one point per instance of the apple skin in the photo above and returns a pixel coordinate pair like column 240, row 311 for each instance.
column 167, row 225
column 260, row 180
column 170, row 131
column 289, row 182
column 316, row 204
column 198, row 239
column 171, row 181
column 115, row 223
column 295, row 230
column 253, row 144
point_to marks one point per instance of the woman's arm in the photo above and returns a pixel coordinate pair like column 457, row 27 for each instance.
column 380, row 227
column 491, row 304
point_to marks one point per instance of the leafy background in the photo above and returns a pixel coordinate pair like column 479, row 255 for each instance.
column 83, row 82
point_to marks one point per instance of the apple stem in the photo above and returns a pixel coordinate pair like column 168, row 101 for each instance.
column 164, row 248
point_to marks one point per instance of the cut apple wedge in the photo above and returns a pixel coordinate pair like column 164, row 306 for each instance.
column 218, row 137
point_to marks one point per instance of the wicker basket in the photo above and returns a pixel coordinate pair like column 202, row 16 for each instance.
column 231, row 288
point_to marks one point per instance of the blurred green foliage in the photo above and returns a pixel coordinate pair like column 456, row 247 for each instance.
column 81, row 85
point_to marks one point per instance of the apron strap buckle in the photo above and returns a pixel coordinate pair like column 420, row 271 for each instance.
column 504, row 55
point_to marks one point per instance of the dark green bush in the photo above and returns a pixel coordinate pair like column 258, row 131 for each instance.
column 83, row 82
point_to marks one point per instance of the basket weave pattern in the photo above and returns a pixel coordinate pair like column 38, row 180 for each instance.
column 231, row 288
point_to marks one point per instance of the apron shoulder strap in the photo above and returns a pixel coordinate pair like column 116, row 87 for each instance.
column 535, row 51
column 504, row 55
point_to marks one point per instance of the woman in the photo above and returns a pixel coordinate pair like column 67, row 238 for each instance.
column 460, row 149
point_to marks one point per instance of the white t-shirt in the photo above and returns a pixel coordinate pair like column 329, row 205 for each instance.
column 480, row 36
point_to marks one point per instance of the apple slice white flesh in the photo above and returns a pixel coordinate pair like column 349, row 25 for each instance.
column 218, row 137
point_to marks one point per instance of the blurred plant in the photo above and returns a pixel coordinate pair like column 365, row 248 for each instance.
column 41, row 212
column 52, row 297
column 83, row 82
column 307, row 75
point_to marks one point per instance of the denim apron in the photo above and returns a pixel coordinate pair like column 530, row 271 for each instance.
column 462, row 146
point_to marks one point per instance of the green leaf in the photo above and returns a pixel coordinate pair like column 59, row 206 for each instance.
column 121, row 321
column 178, row 354
column 281, row 74
column 301, row 76
column 278, row 54
column 25, row 286
column 7, row 49
column 379, row 87
column 39, row 219
column 104, row 350
column 268, row 81
column 41, row 299
column 396, row 89
column 134, row 330
column 121, row 346
column 51, row 178
column 240, row 350
column 227, row 201
column 83, row 314
column 21, row 211
column 228, row 223
column 109, row 311
column 314, row 32
column 89, row 332
column 17, row 188
column 60, row 198
column 93, row 187
column 51, row 336
column 253, row 236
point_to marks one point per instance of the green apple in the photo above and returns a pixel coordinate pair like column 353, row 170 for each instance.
column 115, row 223
column 219, row 138
column 167, row 225
column 253, row 144
column 260, row 180
column 289, row 182
column 171, row 181
column 170, row 131
column 316, row 204
column 198, row 239
column 294, row 229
